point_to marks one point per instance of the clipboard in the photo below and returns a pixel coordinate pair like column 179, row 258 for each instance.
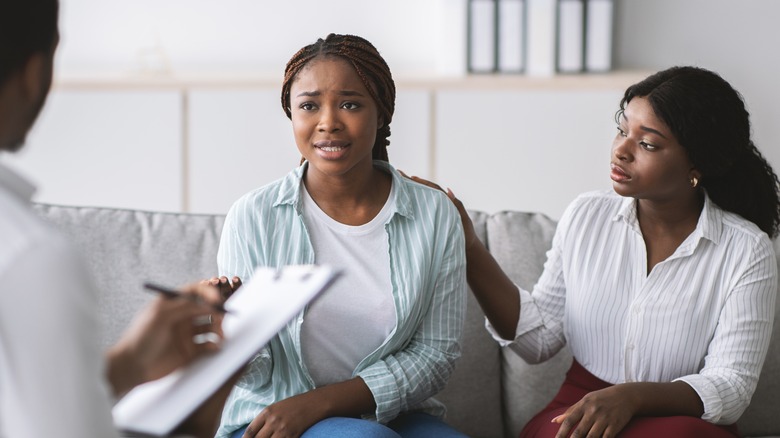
column 257, row 311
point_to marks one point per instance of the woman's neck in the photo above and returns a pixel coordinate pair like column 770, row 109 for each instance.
column 353, row 199
column 666, row 225
column 677, row 214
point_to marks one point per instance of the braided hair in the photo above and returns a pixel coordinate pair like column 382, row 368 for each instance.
column 370, row 67
column 709, row 119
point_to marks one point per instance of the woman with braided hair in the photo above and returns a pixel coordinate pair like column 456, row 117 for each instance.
column 365, row 358
column 664, row 288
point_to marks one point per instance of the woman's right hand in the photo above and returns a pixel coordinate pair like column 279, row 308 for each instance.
column 468, row 227
column 226, row 288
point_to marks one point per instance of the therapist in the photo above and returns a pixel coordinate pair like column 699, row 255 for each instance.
column 54, row 381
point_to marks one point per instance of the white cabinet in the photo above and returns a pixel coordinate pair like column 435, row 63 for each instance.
column 499, row 142
column 411, row 133
column 528, row 150
column 107, row 148
column 239, row 139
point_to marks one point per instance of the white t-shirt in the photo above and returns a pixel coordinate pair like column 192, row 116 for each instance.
column 355, row 316
column 51, row 367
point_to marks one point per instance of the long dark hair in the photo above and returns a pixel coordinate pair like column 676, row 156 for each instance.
column 709, row 119
column 371, row 68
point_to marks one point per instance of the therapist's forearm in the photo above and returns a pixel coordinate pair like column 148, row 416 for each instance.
column 496, row 293
column 122, row 372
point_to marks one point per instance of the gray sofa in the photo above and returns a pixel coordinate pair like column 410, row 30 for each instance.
column 492, row 392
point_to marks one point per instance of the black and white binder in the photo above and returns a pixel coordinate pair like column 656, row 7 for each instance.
column 511, row 36
column 540, row 51
column 598, row 35
column 571, row 36
column 482, row 36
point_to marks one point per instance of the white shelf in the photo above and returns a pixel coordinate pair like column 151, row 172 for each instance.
column 616, row 79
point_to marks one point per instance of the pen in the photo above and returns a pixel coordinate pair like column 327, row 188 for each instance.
column 172, row 293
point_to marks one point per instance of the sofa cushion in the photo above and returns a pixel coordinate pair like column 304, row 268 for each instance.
column 519, row 243
column 472, row 395
column 125, row 248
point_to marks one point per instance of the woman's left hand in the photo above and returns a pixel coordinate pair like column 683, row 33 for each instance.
column 289, row 418
column 602, row 413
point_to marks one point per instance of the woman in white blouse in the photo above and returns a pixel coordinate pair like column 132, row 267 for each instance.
column 665, row 288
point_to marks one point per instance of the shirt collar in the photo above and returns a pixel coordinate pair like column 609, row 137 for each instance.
column 290, row 193
column 16, row 184
column 708, row 227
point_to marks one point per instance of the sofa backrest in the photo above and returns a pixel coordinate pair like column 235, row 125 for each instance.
column 473, row 393
column 519, row 243
column 125, row 248
column 492, row 392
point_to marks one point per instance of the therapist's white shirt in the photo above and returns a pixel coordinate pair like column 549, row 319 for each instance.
column 51, row 367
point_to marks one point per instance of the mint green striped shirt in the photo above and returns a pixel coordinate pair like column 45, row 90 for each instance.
column 428, row 275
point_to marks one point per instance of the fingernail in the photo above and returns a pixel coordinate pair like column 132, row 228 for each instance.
column 556, row 419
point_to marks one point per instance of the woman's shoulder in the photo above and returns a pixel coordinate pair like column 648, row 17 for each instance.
column 414, row 195
column 736, row 228
column 423, row 198
column 262, row 199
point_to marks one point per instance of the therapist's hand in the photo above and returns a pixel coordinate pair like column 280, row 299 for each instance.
column 165, row 336
column 468, row 227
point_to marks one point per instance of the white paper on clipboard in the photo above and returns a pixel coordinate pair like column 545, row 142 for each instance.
column 257, row 311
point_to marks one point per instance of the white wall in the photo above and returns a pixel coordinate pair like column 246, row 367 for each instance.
column 499, row 144
column 238, row 35
column 737, row 38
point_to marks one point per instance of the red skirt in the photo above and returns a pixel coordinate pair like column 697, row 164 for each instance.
column 580, row 381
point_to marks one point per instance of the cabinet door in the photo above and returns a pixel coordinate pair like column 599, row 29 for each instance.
column 529, row 150
column 410, row 133
column 240, row 139
column 107, row 148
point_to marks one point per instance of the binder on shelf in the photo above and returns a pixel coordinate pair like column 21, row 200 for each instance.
column 482, row 36
column 511, row 36
column 571, row 36
column 540, row 49
column 598, row 35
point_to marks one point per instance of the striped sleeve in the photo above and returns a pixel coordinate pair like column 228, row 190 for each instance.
column 412, row 375
column 739, row 346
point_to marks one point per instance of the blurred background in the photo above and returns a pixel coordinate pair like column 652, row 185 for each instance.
column 173, row 105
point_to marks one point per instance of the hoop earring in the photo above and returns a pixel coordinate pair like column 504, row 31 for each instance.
column 694, row 182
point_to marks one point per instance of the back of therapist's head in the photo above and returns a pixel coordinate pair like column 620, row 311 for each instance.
column 26, row 27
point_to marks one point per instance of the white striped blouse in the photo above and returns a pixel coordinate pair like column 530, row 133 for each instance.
column 703, row 316
column 428, row 277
